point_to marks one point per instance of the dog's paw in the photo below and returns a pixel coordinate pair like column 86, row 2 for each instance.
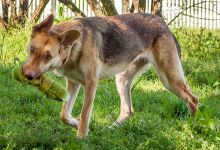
column 81, row 135
column 115, row 125
column 111, row 127
column 71, row 121
column 82, row 131
column 74, row 122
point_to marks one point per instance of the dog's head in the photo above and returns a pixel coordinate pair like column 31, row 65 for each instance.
column 47, row 49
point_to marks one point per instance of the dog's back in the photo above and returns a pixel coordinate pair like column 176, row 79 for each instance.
column 126, row 36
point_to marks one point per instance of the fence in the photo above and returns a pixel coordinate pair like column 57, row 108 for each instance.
column 178, row 13
column 193, row 13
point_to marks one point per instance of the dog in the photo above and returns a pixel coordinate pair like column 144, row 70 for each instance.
column 86, row 50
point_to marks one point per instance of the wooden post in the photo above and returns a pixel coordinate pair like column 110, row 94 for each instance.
column 53, row 7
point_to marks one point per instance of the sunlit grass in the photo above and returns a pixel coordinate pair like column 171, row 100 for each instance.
column 28, row 119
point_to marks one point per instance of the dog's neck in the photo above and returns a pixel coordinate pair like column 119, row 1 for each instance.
column 66, row 57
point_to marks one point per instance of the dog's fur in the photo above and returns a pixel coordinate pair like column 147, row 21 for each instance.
column 86, row 50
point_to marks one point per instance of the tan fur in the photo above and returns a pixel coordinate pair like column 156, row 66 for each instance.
column 76, row 49
column 65, row 115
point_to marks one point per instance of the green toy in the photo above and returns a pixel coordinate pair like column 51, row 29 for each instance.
column 44, row 84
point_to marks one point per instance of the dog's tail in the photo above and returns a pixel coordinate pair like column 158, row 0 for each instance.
column 177, row 45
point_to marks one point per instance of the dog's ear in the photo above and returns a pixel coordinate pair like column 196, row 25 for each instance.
column 69, row 37
column 45, row 25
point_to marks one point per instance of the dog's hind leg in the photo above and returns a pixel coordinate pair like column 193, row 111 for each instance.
column 65, row 115
column 124, row 83
column 169, row 68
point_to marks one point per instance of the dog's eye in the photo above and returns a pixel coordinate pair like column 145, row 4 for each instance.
column 48, row 56
column 32, row 50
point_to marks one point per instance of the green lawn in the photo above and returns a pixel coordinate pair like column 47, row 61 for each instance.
column 28, row 119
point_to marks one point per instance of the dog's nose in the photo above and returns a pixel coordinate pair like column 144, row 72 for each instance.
column 29, row 77
column 28, row 73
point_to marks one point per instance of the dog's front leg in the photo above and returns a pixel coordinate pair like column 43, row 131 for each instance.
column 65, row 115
column 90, row 89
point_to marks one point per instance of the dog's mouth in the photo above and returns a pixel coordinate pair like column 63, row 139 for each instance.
column 29, row 77
column 38, row 77
column 33, row 78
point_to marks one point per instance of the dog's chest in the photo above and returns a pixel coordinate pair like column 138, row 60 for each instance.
column 71, row 74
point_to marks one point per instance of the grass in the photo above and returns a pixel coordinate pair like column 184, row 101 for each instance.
column 29, row 120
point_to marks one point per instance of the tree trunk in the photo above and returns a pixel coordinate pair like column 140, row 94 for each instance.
column 2, row 23
column 138, row 6
column 109, row 7
column 73, row 7
column 13, row 17
column 125, row 6
column 5, row 6
column 23, row 11
column 95, row 6
column 38, row 11
column 156, row 7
